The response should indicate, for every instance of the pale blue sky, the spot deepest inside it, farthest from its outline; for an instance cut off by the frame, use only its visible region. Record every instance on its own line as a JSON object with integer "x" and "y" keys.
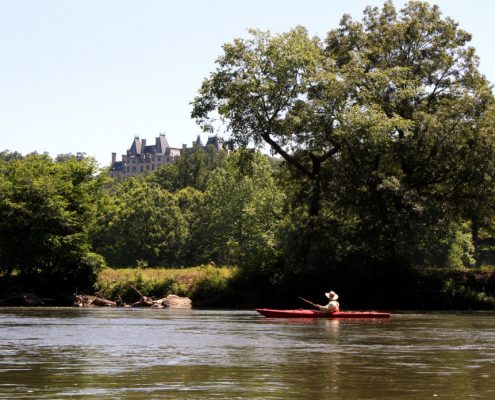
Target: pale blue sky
{"x": 89, "y": 75}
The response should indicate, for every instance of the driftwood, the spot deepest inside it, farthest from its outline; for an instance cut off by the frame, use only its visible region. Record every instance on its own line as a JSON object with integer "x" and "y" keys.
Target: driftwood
{"x": 97, "y": 300}
{"x": 83, "y": 300}
{"x": 144, "y": 301}
{"x": 171, "y": 301}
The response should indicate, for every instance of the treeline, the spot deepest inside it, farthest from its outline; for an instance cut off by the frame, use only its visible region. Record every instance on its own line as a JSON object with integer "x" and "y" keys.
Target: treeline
{"x": 206, "y": 207}
{"x": 61, "y": 221}
{"x": 60, "y": 224}
{"x": 383, "y": 136}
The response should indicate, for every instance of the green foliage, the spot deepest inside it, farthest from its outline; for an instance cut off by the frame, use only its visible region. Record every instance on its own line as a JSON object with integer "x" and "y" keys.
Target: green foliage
{"x": 167, "y": 176}
{"x": 200, "y": 283}
{"x": 192, "y": 169}
{"x": 7, "y": 155}
{"x": 141, "y": 221}
{"x": 242, "y": 208}
{"x": 417, "y": 164}
{"x": 387, "y": 125}
{"x": 259, "y": 89}
{"x": 211, "y": 284}
{"x": 191, "y": 204}
{"x": 148, "y": 287}
{"x": 46, "y": 209}
{"x": 458, "y": 295}
{"x": 461, "y": 250}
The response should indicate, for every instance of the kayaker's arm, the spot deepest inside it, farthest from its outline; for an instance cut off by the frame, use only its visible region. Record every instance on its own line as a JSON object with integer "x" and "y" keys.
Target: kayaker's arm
{"x": 332, "y": 307}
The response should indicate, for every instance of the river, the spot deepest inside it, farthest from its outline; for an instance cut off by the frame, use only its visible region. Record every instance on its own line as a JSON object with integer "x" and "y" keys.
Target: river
{"x": 72, "y": 353}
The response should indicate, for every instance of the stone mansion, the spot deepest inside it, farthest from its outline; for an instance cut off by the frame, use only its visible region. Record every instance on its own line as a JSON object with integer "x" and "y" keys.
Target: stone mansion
{"x": 142, "y": 158}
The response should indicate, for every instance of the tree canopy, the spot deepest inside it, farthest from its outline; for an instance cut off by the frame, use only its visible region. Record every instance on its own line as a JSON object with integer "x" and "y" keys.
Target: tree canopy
{"x": 140, "y": 222}
{"x": 387, "y": 118}
{"x": 46, "y": 209}
{"x": 242, "y": 210}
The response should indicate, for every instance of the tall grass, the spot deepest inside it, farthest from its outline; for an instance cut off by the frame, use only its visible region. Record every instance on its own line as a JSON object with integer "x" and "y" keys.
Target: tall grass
{"x": 202, "y": 284}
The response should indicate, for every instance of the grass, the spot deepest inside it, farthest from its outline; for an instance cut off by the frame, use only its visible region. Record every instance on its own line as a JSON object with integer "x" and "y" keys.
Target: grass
{"x": 202, "y": 284}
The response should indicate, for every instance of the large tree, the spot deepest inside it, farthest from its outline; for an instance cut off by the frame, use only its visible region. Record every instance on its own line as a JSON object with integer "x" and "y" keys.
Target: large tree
{"x": 388, "y": 118}
{"x": 46, "y": 210}
{"x": 258, "y": 88}
{"x": 420, "y": 136}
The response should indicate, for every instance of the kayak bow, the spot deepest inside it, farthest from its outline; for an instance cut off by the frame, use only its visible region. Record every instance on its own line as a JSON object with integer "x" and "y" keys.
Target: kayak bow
{"x": 302, "y": 313}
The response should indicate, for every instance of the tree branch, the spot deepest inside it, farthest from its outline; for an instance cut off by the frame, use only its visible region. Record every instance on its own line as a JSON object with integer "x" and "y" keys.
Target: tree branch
{"x": 287, "y": 157}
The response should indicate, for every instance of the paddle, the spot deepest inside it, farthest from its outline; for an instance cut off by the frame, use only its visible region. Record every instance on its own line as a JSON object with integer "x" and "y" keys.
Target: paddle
{"x": 310, "y": 302}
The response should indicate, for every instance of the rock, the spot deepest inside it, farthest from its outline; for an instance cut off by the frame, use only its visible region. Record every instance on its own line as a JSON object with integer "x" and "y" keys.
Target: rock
{"x": 173, "y": 301}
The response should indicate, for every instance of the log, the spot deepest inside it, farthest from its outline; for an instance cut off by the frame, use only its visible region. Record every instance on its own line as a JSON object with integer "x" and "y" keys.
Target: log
{"x": 144, "y": 301}
{"x": 102, "y": 302}
{"x": 84, "y": 300}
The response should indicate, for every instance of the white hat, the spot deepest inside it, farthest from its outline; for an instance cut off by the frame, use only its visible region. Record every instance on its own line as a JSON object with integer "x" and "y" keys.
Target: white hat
{"x": 332, "y": 295}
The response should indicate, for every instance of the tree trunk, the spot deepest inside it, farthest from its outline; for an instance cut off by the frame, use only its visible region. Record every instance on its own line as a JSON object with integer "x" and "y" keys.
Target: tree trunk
{"x": 475, "y": 233}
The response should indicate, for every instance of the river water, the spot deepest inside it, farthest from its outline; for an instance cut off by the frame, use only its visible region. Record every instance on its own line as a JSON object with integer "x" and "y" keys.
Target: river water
{"x": 71, "y": 353}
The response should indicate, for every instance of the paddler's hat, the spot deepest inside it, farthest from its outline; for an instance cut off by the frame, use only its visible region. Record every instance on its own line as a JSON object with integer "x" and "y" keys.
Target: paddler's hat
{"x": 332, "y": 295}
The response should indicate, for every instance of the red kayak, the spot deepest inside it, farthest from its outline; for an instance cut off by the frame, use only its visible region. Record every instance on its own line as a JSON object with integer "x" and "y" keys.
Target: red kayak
{"x": 302, "y": 313}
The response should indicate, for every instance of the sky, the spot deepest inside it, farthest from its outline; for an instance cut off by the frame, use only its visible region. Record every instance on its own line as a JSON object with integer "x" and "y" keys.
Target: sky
{"x": 90, "y": 75}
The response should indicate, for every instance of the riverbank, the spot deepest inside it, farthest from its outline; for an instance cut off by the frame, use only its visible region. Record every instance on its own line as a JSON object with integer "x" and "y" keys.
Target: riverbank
{"x": 205, "y": 285}
{"x": 209, "y": 286}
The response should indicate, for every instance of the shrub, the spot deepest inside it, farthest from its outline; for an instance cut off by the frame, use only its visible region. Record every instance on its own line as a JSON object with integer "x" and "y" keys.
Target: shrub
{"x": 199, "y": 283}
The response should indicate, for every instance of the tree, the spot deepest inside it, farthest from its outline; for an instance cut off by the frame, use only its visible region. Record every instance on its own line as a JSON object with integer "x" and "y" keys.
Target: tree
{"x": 7, "y": 155}
{"x": 140, "y": 222}
{"x": 191, "y": 204}
{"x": 389, "y": 120}
{"x": 258, "y": 89}
{"x": 192, "y": 169}
{"x": 421, "y": 128}
{"x": 243, "y": 207}
{"x": 45, "y": 214}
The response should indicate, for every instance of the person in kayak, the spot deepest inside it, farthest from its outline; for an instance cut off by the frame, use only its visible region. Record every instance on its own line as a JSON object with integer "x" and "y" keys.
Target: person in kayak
{"x": 333, "y": 305}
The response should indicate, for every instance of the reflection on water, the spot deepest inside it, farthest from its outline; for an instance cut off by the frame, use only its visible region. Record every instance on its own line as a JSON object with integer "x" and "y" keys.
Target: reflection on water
{"x": 197, "y": 354}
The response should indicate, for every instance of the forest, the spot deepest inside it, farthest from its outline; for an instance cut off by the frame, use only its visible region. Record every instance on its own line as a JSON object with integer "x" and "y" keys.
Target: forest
{"x": 362, "y": 162}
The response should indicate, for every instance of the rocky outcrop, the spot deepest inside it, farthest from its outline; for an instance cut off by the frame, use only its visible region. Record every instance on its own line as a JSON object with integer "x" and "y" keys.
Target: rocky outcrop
{"x": 173, "y": 301}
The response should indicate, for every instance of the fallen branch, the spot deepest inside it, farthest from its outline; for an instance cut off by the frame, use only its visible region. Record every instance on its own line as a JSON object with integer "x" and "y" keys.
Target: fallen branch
{"x": 144, "y": 301}
{"x": 83, "y": 300}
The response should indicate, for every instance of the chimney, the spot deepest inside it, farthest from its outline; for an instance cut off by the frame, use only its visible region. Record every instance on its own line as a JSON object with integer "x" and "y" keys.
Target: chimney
{"x": 114, "y": 158}
{"x": 143, "y": 141}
